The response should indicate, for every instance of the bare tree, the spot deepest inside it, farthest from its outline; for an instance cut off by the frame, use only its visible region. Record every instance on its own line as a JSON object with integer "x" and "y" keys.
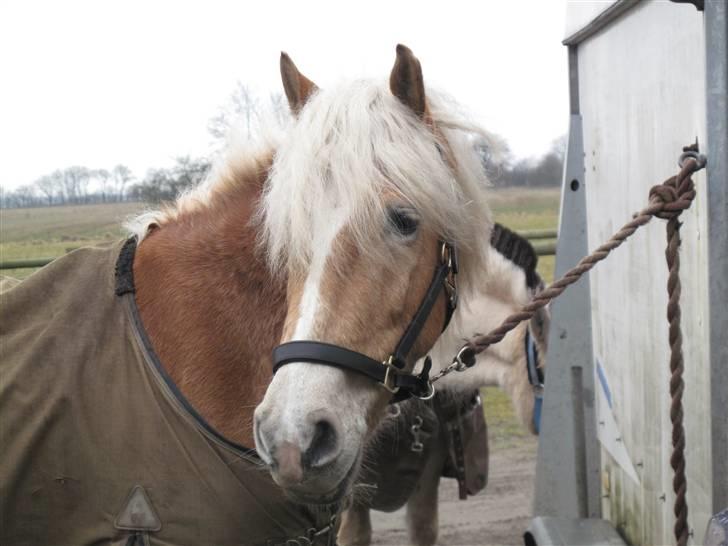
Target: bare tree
{"x": 25, "y": 195}
{"x": 279, "y": 109}
{"x": 166, "y": 184}
{"x": 58, "y": 180}
{"x": 241, "y": 108}
{"x": 122, "y": 175}
{"x": 545, "y": 170}
{"x": 495, "y": 155}
{"x": 83, "y": 179}
{"x": 188, "y": 172}
{"x": 103, "y": 177}
{"x": 47, "y": 186}
{"x": 75, "y": 183}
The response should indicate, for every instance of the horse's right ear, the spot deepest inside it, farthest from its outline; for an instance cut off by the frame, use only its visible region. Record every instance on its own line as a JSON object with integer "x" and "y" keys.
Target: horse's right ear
{"x": 298, "y": 87}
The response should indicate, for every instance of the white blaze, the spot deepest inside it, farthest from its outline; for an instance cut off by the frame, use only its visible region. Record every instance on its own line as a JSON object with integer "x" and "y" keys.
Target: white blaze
{"x": 325, "y": 231}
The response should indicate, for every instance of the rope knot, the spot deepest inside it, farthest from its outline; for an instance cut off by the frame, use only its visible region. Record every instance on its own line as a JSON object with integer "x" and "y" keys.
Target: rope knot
{"x": 675, "y": 195}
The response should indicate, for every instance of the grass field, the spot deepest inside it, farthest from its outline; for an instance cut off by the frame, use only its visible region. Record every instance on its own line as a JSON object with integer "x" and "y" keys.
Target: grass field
{"x": 52, "y": 231}
{"x": 48, "y": 232}
{"x": 524, "y": 209}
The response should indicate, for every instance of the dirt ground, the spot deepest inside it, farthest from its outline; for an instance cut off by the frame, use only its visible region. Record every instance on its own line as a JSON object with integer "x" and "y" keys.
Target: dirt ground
{"x": 498, "y": 515}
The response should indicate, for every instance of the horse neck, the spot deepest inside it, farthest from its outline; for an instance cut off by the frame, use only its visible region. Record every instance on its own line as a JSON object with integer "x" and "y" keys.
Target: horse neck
{"x": 501, "y": 365}
{"x": 501, "y": 294}
{"x": 212, "y": 310}
{"x": 482, "y": 313}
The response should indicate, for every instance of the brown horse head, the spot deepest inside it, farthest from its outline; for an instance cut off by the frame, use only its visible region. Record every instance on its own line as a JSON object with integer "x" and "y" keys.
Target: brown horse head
{"x": 363, "y": 190}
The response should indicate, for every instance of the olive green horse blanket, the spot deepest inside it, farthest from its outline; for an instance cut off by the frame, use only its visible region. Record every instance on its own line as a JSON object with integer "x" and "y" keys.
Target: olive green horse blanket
{"x": 98, "y": 446}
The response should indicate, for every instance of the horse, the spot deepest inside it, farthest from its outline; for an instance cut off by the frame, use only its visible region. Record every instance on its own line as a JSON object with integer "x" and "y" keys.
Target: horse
{"x": 408, "y": 452}
{"x": 136, "y": 378}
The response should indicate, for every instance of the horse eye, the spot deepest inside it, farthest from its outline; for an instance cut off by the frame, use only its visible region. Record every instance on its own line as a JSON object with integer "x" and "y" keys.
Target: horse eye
{"x": 403, "y": 221}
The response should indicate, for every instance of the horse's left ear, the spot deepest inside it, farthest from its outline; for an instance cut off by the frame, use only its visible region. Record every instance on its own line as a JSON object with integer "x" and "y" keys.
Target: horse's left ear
{"x": 406, "y": 81}
{"x": 298, "y": 87}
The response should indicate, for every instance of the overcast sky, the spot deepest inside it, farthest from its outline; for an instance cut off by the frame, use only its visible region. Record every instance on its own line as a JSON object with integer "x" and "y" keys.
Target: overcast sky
{"x": 98, "y": 83}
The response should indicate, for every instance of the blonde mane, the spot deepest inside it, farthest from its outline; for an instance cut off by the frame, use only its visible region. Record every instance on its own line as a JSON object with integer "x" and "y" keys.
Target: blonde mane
{"x": 350, "y": 146}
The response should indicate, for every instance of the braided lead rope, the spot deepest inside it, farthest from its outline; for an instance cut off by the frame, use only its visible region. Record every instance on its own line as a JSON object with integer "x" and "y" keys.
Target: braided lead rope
{"x": 666, "y": 201}
{"x": 677, "y": 386}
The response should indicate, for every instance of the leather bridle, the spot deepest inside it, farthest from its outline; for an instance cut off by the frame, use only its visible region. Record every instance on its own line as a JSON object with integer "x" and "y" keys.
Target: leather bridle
{"x": 390, "y": 373}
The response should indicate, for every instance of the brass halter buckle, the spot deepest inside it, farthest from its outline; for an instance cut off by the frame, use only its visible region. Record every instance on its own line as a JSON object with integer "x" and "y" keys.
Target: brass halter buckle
{"x": 392, "y": 370}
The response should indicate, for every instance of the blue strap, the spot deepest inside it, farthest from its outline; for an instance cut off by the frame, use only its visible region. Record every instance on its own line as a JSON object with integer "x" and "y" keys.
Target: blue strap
{"x": 535, "y": 378}
{"x": 537, "y": 404}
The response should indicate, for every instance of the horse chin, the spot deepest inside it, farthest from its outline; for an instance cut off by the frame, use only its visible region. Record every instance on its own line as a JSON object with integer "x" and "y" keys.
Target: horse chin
{"x": 304, "y": 495}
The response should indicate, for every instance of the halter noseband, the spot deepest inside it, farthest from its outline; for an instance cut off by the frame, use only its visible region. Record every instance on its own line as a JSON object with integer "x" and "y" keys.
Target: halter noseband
{"x": 390, "y": 373}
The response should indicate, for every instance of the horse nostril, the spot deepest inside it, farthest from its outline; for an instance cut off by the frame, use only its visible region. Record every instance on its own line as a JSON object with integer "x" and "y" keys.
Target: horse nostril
{"x": 260, "y": 441}
{"x": 324, "y": 446}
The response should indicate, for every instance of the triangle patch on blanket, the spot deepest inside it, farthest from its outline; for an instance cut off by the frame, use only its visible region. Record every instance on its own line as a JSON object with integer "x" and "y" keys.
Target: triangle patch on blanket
{"x": 138, "y": 513}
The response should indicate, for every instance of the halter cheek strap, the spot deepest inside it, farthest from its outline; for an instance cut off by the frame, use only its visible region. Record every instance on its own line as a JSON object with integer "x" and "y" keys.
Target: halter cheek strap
{"x": 390, "y": 373}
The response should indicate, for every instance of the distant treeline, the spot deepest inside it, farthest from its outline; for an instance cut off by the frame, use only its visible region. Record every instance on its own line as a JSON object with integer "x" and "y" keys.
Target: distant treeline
{"x": 80, "y": 185}
{"x": 506, "y": 171}
{"x": 244, "y": 113}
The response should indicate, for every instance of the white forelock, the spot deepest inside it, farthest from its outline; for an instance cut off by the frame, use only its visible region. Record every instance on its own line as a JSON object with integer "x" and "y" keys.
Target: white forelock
{"x": 350, "y": 146}
{"x": 356, "y": 143}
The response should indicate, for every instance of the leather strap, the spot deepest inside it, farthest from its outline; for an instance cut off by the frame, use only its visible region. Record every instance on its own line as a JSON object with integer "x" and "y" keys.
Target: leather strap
{"x": 414, "y": 329}
{"x": 325, "y": 353}
{"x": 340, "y": 357}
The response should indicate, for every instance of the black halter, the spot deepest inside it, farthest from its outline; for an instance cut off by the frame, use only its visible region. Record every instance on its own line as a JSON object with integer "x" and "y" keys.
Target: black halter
{"x": 390, "y": 373}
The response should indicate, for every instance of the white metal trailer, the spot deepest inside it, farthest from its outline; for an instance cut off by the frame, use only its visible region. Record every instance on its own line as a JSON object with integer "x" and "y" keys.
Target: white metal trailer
{"x": 646, "y": 78}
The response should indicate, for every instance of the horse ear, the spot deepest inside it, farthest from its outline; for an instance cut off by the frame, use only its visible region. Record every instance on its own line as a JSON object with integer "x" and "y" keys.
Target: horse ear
{"x": 406, "y": 81}
{"x": 298, "y": 87}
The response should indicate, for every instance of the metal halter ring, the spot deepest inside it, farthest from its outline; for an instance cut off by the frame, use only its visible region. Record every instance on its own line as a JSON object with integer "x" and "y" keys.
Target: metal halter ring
{"x": 462, "y": 365}
{"x": 388, "y": 382}
{"x": 700, "y": 159}
{"x": 446, "y": 255}
{"x": 430, "y": 394}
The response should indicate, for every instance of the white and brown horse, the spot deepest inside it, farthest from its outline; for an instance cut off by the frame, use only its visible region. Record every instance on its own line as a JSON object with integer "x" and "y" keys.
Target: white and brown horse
{"x": 332, "y": 236}
{"x": 334, "y": 245}
{"x": 401, "y": 475}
